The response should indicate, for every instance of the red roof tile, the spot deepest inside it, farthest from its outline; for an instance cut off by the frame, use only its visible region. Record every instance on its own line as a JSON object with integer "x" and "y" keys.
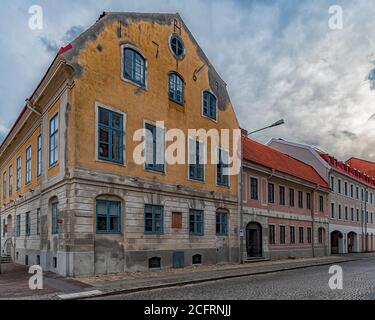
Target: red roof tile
{"x": 268, "y": 157}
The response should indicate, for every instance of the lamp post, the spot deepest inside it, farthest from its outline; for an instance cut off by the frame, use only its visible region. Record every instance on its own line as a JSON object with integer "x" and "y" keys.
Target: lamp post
{"x": 242, "y": 229}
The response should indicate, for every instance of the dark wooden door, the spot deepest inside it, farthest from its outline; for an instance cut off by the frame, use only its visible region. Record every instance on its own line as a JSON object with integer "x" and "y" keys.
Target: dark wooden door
{"x": 254, "y": 240}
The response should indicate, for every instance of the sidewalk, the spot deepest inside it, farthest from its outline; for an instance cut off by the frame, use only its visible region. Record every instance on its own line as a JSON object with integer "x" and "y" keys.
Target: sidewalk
{"x": 141, "y": 281}
{"x": 14, "y": 284}
{"x": 14, "y": 279}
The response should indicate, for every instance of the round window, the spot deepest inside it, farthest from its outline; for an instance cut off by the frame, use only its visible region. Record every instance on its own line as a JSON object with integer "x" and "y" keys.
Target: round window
{"x": 177, "y": 46}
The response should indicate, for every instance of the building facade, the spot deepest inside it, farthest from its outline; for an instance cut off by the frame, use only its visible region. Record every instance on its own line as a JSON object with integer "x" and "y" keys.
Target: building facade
{"x": 351, "y": 202}
{"x": 285, "y": 206}
{"x": 74, "y": 198}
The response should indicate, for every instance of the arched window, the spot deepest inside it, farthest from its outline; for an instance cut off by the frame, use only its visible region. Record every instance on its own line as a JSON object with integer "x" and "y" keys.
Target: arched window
{"x": 209, "y": 105}
{"x": 134, "y": 67}
{"x": 176, "y": 88}
{"x": 154, "y": 263}
{"x": 177, "y": 46}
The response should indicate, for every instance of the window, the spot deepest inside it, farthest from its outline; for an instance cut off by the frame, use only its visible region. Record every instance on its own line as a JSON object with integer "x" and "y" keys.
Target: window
{"x": 177, "y": 46}
{"x": 321, "y": 204}
{"x": 300, "y": 199}
{"x": 346, "y": 213}
{"x": 39, "y": 156}
{"x": 55, "y": 262}
{"x": 18, "y": 225}
{"x": 357, "y": 192}
{"x": 309, "y": 235}
{"x": 176, "y": 220}
{"x": 366, "y": 216}
{"x": 332, "y": 210}
{"x": 339, "y": 186}
{"x": 55, "y": 215}
{"x": 253, "y": 188}
{"x": 282, "y": 196}
{"x": 27, "y": 224}
{"x": 196, "y": 160}
{"x": 300, "y": 235}
{"x": 333, "y": 183}
{"x": 321, "y": 235}
{"x": 197, "y": 259}
{"x": 10, "y": 180}
{"x": 176, "y": 88}
{"x": 222, "y": 167}
{"x": 38, "y": 221}
{"x": 4, "y": 228}
{"x": 53, "y": 140}
{"x": 352, "y": 191}
{"x": 108, "y": 216}
{"x": 4, "y": 185}
{"x": 134, "y": 67}
{"x": 282, "y": 234}
{"x": 111, "y": 134}
{"x": 372, "y": 217}
{"x": 292, "y": 234}
{"x": 340, "y": 216}
{"x": 308, "y": 200}
{"x": 28, "y": 165}
{"x": 357, "y": 214}
{"x": 154, "y": 263}
{"x": 221, "y": 223}
{"x": 154, "y": 219}
{"x": 291, "y": 197}
{"x": 272, "y": 234}
{"x": 352, "y": 214}
{"x": 346, "y": 188}
{"x": 155, "y": 148}
{"x": 196, "y": 222}
{"x": 271, "y": 193}
{"x": 209, "y": 105}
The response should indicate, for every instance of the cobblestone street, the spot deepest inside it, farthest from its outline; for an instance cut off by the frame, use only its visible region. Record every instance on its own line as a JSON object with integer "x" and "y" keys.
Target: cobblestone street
{"x": 310, "y": 283}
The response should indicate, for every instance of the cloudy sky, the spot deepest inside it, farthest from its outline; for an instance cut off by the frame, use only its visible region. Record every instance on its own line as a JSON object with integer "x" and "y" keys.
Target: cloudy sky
{"x": 279, "y": 58}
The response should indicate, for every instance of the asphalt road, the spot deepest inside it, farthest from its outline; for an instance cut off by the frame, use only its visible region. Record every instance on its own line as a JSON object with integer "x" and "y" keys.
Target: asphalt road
{"x": 309, "y": 283}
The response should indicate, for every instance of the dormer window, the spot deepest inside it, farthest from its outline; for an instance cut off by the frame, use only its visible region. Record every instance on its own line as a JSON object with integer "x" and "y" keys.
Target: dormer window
{"x": 134, "y": 65}
{"x": 176, "y": 88}
{"x": 209, "y": 105}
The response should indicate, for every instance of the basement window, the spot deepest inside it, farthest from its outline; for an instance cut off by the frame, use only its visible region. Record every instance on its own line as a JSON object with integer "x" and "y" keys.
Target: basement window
{"x": 154, "y": 263}
{"x": 197, "y": 259}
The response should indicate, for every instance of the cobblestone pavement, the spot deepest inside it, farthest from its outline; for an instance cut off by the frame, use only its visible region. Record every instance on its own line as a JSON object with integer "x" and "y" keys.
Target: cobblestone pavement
{"x": 310, "y": 283}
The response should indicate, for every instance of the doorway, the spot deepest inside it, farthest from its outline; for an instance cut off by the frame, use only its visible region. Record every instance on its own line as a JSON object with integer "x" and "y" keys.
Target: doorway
{"x": 254, "y": 240}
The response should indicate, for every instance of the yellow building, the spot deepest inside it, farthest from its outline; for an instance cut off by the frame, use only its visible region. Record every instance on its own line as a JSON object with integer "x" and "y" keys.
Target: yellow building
{"x": 75, "y": 198}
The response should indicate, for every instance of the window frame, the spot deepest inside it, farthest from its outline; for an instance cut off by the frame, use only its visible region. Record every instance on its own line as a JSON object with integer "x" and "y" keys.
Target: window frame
{"x": 272, "y": 234}
{"x": 271, "y": 195}
{"x": 111, "y": 111}
{"x": 108, "y": 216}
{"x": 132, "y": 80}
{"x": 282, "y": 234}
{"x": 291, "y": 198}
{"x": 197, "y": 158}
{"x": 177, "y": 79}
{"x": 10, "y": 187}
{"x": 222, "y": 224}
{"x": 195, "y": 213}
{"x": 27, "y": 224}
{"x": 282, "y": 200}
{"x": 54, "y": 218}
{"x": 224, "y": 180}
{"x": 208, "y": 116}
{"x": 28, "y": 165}
{"x": 153, "y": 219}
{"x": 176, "y": 36}
{"x": 39, "y": 156}
{"x": 5, "y": 179}
{"x": 19, "y": 173}
{"x": 301, "y": 240}
{"x": 53, "y": 160}
{"x": 292, "y": 235}
{"x": 300, "y": 199}
{"x": 18, "y": 225}
{"x": 255, "y": 196}
{"x": 154, "y": 167}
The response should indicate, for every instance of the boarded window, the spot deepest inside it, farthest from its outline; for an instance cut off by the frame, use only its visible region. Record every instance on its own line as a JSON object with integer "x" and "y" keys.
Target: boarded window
{"x": 176, "y": 220}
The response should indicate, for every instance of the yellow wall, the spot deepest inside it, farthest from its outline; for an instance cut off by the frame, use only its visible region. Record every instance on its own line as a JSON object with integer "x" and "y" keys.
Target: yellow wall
{"x": 21, "y": 151}
{"x": 101, "y": 82}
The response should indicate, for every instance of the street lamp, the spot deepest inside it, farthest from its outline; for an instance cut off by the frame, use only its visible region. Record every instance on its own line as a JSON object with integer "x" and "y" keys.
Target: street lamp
{"x": 242, "y": 231}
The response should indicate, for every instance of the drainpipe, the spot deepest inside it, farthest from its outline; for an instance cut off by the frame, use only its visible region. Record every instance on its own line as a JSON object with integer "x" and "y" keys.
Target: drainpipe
{"x": 313, "y": 221}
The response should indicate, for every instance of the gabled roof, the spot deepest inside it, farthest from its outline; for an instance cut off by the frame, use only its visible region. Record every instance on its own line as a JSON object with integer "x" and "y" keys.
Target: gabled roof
{"x": 268, "y": 157}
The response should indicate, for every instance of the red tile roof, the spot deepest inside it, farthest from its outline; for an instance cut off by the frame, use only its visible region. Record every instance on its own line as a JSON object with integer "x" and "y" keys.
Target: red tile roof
{"x": 355, "y": 168}
{"x": 268, "y": 157}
